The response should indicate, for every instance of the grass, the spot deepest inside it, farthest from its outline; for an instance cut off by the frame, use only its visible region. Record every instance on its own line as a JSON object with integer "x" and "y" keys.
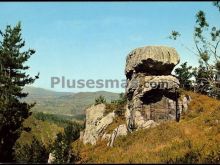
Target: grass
{"x": 42, "y": 130}
{"x": 117, "y": 121}
{"x": 195, "y": 139}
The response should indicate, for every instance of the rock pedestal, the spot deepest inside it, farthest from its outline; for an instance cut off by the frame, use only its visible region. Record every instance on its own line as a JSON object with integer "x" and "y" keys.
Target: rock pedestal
{"x": 151, "y": 89}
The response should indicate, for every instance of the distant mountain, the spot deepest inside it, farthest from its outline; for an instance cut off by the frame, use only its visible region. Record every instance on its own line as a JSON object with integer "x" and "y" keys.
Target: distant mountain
{"x": 65, "y": 103}
{"x": 40, "y": 93}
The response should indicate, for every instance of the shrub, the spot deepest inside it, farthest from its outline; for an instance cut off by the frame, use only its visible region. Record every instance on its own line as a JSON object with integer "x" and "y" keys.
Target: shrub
{"x": 101, "y": 99}
{"x": 36, "y": 152}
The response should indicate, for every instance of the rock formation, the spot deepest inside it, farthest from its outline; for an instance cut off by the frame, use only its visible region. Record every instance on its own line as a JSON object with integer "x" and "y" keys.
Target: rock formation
{"x": 151, "y": 92}
{"x": 151, "y": 89}
{"x": 96, "y": 123}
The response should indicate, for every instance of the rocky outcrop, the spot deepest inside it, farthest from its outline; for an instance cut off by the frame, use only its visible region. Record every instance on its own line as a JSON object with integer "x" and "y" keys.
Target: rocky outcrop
{"x": 96, "y": 123}
{"x": 151, "y": 89}
{"x": 152, "y": 96}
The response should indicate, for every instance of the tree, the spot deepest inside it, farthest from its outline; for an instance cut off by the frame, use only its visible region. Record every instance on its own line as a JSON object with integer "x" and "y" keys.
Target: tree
{"x": 72, "y": 132}
{"x": 184, "y": 73}
{"x": 12, "y": 80}
{"x": 62, "y": 146}
{"x": 174, "y": 35}
{"x": 217, "y": 4}
{"x": 101, "y": 99}
{"x": 36, "y": 152}
{"x": 207, "y": 40}
{"x": 59, "y": 148}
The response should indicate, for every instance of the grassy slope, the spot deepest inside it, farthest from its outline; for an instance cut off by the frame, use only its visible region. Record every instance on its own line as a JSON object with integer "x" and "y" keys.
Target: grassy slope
{"x": 196, "y": 138}
{"x": 43, "y": 130}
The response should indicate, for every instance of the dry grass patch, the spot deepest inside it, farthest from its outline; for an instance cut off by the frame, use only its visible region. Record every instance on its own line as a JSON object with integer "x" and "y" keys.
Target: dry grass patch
{"x": 195, "y": 139}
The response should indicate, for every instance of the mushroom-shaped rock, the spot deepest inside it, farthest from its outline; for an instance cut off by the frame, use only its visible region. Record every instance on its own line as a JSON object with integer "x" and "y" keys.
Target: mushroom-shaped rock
{"x": 152, "y": 60}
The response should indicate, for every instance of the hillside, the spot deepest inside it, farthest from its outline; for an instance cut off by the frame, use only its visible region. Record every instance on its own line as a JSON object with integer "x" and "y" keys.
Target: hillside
{"x": 41, "y": 92}
{"x": 42, "y": 130}
{"x": 195, "y": 139}
{"x": 64, "y": 103}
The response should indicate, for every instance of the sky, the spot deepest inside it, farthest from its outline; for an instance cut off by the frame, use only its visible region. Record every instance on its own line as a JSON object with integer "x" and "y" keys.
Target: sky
{"x": 90, "y": 40}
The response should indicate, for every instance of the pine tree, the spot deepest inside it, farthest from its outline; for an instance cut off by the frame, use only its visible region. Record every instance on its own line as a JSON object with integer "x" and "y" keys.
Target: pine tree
{"x": 59, "y": 149}
{"x": 39, "y": 151}
{"x": 184, "y": 73}
{"x": 13, "y": 78}
{"x": 62, "y": 146}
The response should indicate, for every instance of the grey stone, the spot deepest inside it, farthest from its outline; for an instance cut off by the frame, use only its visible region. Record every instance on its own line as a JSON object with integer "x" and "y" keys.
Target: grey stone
{"x": 153, "y": 60}
{"x": 121, "y": 130}
{"x": 151, "y": 89}
{"x": 96, "y": 123}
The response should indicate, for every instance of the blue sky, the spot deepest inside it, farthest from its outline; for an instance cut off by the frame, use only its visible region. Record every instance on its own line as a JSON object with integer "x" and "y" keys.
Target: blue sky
{"x": 90, "y": 40}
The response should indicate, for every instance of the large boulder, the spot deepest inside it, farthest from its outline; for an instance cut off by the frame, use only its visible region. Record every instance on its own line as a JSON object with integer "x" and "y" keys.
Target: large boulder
{"x": 152, "y": 60}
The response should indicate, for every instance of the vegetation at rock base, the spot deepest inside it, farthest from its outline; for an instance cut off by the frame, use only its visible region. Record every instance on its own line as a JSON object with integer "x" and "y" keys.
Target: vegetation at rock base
{"x": 29, "y": 131}
{"x": 118, "y": 105}
{"x": 119, "y": 108}
{"x": 101, "y": 99}
{"x": 195, "y": 139}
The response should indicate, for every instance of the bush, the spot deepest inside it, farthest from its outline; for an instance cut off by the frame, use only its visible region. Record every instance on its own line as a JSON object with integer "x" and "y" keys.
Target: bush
{"x": 36, "y": 152}
{"x": 101, "y": 99}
